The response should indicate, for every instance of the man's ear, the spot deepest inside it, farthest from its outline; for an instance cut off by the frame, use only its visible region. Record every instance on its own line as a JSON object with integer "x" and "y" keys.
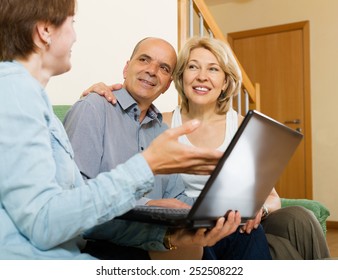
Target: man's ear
{"x": 125, "y": 70}
{"x": 168, "y": 85}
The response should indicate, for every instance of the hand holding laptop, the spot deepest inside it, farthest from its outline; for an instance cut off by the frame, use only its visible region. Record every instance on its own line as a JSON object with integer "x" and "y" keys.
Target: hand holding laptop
{"x": 208, "y": 237}
{"x": 190, "y": 244}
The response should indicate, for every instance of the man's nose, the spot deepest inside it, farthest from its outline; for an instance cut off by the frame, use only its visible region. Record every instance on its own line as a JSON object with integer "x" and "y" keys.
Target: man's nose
{"x": 152, "y": 68}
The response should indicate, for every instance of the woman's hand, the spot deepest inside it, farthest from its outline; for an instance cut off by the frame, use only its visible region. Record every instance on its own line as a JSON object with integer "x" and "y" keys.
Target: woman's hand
{"x": 103, "y": 90}
{"x": 203, "y": 237}
{"x": 252, "y": 224}
{"x": 190, "y": 243}
{"x": 165, "y": 155}
{"x": 272, "y": 203}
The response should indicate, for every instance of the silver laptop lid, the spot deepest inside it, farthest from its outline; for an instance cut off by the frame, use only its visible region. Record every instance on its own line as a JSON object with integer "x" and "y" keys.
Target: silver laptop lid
{"x": 248, "y": 170}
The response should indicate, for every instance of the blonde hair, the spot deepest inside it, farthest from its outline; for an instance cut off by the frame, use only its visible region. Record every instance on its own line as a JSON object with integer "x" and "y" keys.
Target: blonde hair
{"x": 227, "y": 62}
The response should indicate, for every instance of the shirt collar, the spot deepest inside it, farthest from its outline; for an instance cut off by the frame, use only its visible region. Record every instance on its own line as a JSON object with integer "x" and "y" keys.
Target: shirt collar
{"x": 128, "y": 103}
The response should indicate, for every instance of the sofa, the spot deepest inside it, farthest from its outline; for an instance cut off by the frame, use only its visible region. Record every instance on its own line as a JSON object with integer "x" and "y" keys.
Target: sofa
{"x": 319, "y": 210}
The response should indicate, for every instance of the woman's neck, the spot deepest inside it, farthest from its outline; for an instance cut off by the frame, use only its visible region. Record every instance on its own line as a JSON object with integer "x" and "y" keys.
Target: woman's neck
{"x": 35, "y": 67}
{"x": 211, "y": 132}
{"x": 202, "y": 113}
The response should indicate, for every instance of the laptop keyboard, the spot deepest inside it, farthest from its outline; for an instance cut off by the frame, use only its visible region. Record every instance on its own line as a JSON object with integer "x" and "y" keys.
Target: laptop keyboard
{"x": 148, "y": 213}
{"x": 162, "y": 212}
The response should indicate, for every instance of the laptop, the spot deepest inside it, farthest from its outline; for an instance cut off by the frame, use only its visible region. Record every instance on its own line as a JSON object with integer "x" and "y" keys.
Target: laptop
{"x": 241, "y": 181}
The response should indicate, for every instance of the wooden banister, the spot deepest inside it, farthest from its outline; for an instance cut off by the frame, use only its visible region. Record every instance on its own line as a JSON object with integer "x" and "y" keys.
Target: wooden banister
{"x": 210, "y": 23}
{"x": 182, "y": 22}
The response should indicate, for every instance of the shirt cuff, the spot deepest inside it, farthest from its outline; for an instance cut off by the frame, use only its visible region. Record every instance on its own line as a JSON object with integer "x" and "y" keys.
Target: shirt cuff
{"x": 143, "y": 201}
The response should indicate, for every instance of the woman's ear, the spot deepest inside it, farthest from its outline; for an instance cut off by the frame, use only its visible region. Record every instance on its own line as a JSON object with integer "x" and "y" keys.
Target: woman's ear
{"x": 225, "y": 84}
{"x": 43, "y": 32}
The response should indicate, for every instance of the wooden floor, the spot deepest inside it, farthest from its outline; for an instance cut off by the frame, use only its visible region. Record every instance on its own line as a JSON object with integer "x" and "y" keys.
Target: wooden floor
{"x": 332, "y": 241}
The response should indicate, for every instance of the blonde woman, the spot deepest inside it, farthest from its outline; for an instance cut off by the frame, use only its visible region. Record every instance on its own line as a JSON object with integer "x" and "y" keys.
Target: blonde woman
{"x": 207, "y": 77}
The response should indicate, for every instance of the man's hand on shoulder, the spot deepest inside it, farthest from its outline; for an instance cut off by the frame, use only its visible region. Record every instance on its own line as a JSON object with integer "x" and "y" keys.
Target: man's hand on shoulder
{"x": 103, "y": 90}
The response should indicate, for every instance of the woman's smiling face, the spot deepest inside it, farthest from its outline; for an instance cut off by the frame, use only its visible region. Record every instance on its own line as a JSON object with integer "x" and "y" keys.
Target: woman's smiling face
{"x": 203, "y": 77}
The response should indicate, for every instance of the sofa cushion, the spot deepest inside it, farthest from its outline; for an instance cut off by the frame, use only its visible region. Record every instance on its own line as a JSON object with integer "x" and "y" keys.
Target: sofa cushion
{"x": 60, "y": 111}
{"x": 320, "y": 211}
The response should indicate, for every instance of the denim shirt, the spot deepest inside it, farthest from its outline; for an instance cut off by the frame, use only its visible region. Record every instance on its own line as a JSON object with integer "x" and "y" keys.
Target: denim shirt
{"x": 45, "y": 205}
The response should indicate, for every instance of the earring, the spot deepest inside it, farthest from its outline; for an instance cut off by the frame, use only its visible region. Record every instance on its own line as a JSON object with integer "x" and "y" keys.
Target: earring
{"x": 48, "y": 41}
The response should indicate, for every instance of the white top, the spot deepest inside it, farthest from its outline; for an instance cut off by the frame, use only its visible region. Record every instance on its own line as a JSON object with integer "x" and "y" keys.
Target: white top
{"x": 195, "y": 183}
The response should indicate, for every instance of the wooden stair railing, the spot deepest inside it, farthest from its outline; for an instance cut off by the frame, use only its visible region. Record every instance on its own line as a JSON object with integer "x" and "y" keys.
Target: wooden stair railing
{"x": 190, "y": 9}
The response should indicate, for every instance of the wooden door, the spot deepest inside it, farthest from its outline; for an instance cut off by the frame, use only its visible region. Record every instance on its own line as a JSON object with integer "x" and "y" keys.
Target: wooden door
{"x": 278, "y": 59}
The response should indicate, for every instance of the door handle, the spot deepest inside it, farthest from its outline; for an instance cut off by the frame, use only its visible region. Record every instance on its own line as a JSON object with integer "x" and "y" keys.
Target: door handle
{"x": 295, "y": 121}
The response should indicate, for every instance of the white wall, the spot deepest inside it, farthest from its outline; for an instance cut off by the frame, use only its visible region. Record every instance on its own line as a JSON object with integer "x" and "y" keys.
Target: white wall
{"x": 238, "y": 15}
{"x": 107, "y": 31}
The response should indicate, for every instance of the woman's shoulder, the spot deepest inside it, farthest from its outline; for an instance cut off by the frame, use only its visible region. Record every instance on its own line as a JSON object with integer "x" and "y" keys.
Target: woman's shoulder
{"x": 168, "y": 116}
{"x": 235, "y": 116}
{"x": 240, "y": 119}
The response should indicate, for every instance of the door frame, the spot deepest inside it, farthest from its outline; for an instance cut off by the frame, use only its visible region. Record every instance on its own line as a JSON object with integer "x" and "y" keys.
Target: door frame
{"x": 303, "y": 26}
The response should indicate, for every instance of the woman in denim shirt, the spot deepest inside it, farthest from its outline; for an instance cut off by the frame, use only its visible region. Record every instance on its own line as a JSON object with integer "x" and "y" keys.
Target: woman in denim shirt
{"x": 45, "y": 204}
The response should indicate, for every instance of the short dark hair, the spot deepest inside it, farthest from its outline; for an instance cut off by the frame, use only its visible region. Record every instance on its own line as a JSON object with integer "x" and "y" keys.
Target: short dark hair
{"x": 18, "y": 19}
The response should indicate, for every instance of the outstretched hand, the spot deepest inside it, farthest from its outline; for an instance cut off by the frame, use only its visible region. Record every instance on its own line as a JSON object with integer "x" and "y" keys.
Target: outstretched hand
{"x": 166, "y": 155}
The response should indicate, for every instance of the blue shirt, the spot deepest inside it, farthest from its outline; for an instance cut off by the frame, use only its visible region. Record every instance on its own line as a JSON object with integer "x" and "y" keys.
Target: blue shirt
{"x": 104, "y": 135}
{"x": 45, "y": 205}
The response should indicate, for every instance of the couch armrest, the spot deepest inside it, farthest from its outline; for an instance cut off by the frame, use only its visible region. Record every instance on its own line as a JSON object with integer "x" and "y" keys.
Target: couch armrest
{"x": 320, "y": 211}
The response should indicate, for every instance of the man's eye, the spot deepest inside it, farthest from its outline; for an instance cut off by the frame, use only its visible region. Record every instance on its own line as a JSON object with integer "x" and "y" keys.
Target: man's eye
{"x": 165, "y": 69}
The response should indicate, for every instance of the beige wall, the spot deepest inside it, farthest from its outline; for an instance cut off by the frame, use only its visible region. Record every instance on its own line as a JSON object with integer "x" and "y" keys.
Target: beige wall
{"x": 238, "y": 15}
{"x": 107, "y": 31}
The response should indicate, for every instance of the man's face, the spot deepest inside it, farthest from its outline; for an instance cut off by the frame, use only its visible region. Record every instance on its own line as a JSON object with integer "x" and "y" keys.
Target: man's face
{"x": 149, "y": 71}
